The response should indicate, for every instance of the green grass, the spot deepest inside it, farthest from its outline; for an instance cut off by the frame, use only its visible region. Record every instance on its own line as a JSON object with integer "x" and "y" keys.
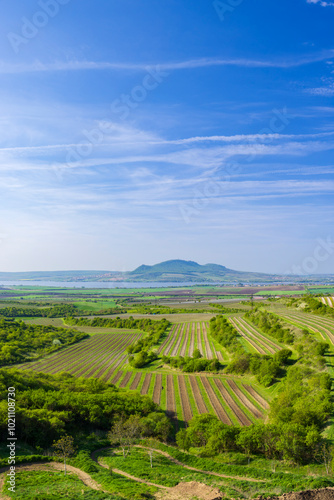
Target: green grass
{"x": 178, "y": 405}
{"x": 151, "y": 387}
{"x": 51, "y": 484}
{"x": 202, "y": 347}
{"x": 189, "y": 339}
{"x": 190, "y": 396}
{"x": 21, "y": 449}
{"x": 92, "y": 305}
{"x": 163, "y": 395}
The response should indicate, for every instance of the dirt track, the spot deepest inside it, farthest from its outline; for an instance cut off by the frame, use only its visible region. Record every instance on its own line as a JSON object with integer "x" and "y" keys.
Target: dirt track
{"x": 83, "y": 476}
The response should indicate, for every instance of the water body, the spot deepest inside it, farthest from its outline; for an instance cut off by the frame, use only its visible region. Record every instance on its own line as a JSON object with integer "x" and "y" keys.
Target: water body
{"x": 98, "y": 284}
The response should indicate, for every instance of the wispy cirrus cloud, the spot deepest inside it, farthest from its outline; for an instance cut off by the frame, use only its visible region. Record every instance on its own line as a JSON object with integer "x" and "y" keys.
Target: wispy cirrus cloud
{"x": 125, "y": 137}
{"x": 38, "y": 66}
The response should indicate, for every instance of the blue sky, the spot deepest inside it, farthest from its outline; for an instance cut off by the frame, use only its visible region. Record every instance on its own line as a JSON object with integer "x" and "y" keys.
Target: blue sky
{"x": 136, "y": 132}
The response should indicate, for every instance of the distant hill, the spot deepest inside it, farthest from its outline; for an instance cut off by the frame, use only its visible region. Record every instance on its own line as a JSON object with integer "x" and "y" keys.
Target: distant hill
{"x": 188, "y": 270}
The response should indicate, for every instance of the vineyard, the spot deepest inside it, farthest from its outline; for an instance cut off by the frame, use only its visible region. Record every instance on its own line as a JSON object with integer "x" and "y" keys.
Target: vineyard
{"x": 234, "y": 400}
{"x": 99, "y": 356}
{"x": 253, "y": 339}
{"x": 184, "y": 338}
{"x": 181, "y": 396}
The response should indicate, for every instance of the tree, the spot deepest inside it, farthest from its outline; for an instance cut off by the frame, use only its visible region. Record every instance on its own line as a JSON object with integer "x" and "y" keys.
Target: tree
{"x": 64, "y": 448}
{"x": 197, "y": 354}
{"x": 324, "y": 454}
{"x": 250, "y": 439}
{"x": 125, "y": 432}
{"x": 201, "y": 428}
{"x": 183, "y": 440}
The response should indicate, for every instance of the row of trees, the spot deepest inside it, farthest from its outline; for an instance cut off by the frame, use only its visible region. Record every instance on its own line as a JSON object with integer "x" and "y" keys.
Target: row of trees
{"x": 225, "y": 334}
{"x": 196, "y": 363}
{"x": 57, "y": 311}
{"x": 266, "y": 368}
{"x": 280, "y": 440}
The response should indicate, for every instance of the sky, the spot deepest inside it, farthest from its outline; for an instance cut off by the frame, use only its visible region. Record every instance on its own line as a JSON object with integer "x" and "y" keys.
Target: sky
{"x": 137, "y": 132}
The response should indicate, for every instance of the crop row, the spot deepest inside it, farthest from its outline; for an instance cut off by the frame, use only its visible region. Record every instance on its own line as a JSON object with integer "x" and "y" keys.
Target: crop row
{"x": 184, "y": 338}
{"x": 184, "y": 396}
{"x": 98, "y": 356}
{"x": 257, "y": 340}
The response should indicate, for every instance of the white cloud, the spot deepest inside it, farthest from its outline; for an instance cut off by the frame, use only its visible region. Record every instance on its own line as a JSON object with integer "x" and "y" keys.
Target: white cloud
{"x": 322, "y": 91}
{"x": 322, "y": 3}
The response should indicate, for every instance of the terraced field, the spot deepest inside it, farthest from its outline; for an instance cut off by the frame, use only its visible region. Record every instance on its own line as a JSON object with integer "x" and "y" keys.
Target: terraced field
{"x": 255, "y": 340}
{"x": 99, "y": 356}
{"x": 184, "y": 396}
{"x": 323, "y": 328}
{"x": 184, "y": 338}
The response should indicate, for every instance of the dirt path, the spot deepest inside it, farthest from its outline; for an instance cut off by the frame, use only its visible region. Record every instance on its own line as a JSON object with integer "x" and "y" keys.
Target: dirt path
{"x": 122, "y": 473}
{"x": 83, "y": 476}
{"x": 177, "y": 462}
{"x": 95, "y": 457}
{"x": 172, "y": 459}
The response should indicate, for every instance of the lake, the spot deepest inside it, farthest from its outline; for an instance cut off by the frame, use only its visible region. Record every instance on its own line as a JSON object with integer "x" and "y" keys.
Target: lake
{"x": 98, "y": 284}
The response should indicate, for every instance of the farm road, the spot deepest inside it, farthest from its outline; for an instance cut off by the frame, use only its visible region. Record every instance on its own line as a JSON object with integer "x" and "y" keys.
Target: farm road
{"x": 83, "y": 476}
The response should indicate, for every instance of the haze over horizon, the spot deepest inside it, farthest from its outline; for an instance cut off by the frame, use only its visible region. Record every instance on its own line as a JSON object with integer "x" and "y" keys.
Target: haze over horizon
{"x": 134, "y": 133}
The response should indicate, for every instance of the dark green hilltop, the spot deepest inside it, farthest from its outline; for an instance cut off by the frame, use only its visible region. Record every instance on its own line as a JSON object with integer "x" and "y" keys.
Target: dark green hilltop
{"x": 188, "y": 270}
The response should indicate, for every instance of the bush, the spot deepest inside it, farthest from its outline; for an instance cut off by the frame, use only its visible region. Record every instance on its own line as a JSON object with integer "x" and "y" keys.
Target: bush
{"x": 84, "y": 462}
